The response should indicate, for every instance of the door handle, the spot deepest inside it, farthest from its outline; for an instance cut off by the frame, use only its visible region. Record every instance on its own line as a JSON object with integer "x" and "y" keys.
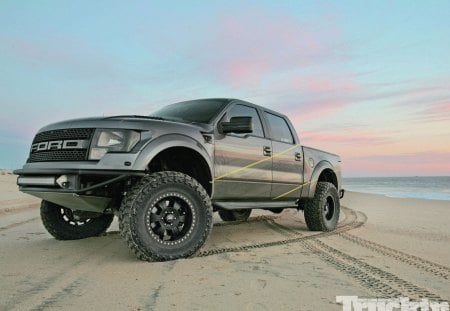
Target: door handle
{"x": 267, "y": 151}
{"x": 298, "y": 156}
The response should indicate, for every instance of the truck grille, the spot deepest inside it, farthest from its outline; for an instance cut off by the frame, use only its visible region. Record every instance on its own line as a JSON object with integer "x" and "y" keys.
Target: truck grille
{"x": 61, "y": 145}
{"x": 84, "y": 133}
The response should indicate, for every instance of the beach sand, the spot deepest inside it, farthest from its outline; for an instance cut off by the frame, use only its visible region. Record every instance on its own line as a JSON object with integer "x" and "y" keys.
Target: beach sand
{"x": 383, "y": 247}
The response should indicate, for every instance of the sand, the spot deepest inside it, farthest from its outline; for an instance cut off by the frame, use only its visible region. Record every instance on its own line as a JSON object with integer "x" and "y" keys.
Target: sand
{"x": 384, "y": 247}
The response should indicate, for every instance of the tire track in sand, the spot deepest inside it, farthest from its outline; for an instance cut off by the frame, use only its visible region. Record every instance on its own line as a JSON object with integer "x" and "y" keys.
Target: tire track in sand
{"x": 64, "y": 281}
{"x": 353, "y": 220}
{"x": 414, "y": 261}
{"x": 20, "y": 223}
{"x": 383, "y": 283}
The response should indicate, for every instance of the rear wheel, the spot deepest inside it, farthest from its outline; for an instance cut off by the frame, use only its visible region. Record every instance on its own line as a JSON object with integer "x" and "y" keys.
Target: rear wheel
{"x": 65, "y": 224}
{"x": 322, "y": 212}
{"x": 241, "y": 214}
{"x": 167, "y": 215}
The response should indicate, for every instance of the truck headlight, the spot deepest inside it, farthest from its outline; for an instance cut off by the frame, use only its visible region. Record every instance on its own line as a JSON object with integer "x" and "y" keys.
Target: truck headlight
{"x": 111, "y": 140}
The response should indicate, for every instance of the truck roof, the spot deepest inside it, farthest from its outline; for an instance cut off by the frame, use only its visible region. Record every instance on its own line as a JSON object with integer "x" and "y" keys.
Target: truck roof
{"x": 232, "y": 100}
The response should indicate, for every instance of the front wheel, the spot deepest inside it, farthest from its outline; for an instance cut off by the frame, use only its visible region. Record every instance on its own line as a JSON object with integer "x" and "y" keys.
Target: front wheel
{"x": 167, "y": 215}
{"x": 65, "y": 224}
{"x": 322, "y": 212}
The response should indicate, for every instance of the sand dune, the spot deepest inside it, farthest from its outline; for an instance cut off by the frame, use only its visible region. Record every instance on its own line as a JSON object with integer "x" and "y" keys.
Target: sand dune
{"x": 383, "y": 247}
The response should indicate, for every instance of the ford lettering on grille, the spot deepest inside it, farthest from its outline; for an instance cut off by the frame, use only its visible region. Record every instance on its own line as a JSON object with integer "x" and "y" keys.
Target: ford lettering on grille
{"x": 60, "y": 144}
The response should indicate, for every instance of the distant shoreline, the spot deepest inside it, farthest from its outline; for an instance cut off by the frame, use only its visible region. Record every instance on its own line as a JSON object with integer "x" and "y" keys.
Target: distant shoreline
{"x": 411, "y": 176}
{"x": 417, "y": 187}
{"x": 391, "y": 197}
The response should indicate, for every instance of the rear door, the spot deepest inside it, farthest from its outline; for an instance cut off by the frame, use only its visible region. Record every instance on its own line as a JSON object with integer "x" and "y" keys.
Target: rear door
{"x": 242, "y": 162}
{"x": 287, "y": 161}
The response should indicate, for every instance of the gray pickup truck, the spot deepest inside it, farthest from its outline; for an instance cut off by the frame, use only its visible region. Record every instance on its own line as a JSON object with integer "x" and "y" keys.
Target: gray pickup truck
{"x": 165, "y": 174}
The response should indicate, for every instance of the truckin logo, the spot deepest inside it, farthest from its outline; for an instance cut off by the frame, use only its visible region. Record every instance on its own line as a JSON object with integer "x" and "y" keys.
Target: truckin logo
{"x": 350, "y": 303}
{"x": 58, "y": 145}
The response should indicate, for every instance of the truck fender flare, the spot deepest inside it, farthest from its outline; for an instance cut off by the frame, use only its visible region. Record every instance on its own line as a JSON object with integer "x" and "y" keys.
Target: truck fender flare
{"x": 164, "y": 142}
{"x": 320, "y": 167}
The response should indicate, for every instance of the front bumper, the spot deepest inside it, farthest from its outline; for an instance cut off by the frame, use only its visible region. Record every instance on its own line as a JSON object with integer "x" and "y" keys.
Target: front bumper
{"x": 72, "y": 194}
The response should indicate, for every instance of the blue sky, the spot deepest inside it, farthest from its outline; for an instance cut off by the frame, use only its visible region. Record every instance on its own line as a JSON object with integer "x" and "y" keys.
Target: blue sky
{"x": 366, "y": 79}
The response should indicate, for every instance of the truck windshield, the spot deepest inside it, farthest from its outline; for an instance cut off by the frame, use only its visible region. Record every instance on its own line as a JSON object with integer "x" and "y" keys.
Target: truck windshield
{"x": 199, "y": 111}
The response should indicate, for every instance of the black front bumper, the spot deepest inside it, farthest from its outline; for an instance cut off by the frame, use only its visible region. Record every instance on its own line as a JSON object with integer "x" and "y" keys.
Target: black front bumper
{"x": 30, "y": 179}
{"x": 43, "y": 184}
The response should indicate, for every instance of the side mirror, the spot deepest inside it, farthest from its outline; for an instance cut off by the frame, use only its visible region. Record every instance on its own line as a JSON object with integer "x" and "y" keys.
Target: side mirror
{"x": 240, "y": 125}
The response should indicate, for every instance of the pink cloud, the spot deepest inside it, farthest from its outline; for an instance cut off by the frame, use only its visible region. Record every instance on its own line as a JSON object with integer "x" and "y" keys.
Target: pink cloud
{"x": 318, "y": 109}
{"x": 439, "y": 111}
{"x": 445, "y": 107}
{"x": 428, "y": 102}
{"x": 421, "y": 163}
{"x": 239, "y": 70}
{"x": 248, "y": 47}
{"x": 320, "y": 95}
{"x": 292, "y": 64}
{"x": 360, "y": 147}
{"x": 402, "y": 95}
{"x": 352, "y": 136}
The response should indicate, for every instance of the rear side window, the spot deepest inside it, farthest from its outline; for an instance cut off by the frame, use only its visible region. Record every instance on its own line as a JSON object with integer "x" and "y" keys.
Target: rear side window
{"x": 246, "y": 111}
{"x": 279, "y": 128}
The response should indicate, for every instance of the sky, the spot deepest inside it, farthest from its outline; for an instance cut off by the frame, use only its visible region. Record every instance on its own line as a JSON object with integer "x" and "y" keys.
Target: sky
{"x": 368, "y": 80}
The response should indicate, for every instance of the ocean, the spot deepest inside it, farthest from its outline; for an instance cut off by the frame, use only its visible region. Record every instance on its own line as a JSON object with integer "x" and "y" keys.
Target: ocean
{"x": 435, "y": 188}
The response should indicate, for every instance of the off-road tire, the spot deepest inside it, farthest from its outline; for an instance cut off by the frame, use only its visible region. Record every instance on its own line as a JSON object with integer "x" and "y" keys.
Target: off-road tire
{"x": 322, "y": 212}
{"x": 60, "y": 223}
{"x": 241, "y": 214}
{"x": 165, "y": 216}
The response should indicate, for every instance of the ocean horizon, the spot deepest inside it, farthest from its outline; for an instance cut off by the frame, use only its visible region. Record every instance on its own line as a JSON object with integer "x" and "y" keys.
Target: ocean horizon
{"x": 416, "y": 187}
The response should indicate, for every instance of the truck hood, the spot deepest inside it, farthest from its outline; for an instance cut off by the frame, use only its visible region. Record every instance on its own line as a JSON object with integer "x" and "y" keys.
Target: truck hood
{"x": 128, "y": 122}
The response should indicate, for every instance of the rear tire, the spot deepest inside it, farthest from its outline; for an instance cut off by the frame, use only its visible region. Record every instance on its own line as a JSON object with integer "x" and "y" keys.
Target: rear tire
{"x": 241, "y": 214}
{"x": 322, "y": 212}
{"x": 64, "y": 225}
{"x": 165, "y": 216}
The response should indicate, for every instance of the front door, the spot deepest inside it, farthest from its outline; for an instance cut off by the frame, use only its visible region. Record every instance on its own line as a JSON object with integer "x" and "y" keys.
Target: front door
{"x": 243, "y": 163}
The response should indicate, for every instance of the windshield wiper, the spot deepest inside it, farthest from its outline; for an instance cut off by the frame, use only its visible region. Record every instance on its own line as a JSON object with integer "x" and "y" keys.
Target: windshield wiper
{"x": 175, "y": 119}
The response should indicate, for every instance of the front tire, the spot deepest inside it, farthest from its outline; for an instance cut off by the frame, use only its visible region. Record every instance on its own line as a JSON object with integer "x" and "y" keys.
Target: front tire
{"x": 166, "y": 216}
{"x": 240, "y": 215}
{"x": 63, "y": 224}
{"x": 322, "y": 212}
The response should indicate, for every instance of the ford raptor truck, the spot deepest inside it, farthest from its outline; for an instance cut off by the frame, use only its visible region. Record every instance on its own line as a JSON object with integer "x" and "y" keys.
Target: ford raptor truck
{"x": 165, "y": 174}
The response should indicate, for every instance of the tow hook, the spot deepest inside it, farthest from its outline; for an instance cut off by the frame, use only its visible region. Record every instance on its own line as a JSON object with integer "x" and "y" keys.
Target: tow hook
{"x": 341, "y": 193}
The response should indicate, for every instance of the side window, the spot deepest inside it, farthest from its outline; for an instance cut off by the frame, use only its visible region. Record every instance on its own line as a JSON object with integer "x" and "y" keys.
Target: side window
{"x": 280, "y": 129}
{"x": 245, "y": 111}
